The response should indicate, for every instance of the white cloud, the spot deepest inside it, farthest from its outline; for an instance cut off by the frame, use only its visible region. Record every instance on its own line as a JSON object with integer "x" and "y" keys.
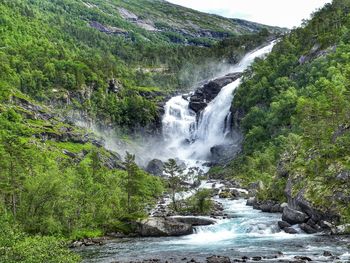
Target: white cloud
{"x": 284, "y": 13}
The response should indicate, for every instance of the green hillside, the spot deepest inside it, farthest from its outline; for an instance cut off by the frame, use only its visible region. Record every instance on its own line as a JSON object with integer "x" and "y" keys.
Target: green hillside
{"x": 57, "y": 182}
{"x": 294, "y": 110}
{"x": 67, "y": 52}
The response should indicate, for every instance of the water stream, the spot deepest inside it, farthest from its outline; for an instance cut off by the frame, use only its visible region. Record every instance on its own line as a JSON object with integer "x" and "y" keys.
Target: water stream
{"x": 246, "y": 232}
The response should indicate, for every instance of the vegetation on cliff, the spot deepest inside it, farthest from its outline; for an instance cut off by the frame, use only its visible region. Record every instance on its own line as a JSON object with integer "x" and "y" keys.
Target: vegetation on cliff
{"x": 293, "y": 108}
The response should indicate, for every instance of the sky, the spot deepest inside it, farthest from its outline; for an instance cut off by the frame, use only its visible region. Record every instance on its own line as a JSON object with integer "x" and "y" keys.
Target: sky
{"x": 283, "y": 13}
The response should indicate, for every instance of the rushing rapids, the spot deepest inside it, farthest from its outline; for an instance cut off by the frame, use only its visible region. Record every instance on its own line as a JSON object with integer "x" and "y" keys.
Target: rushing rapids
{"x": 246, "y": 233}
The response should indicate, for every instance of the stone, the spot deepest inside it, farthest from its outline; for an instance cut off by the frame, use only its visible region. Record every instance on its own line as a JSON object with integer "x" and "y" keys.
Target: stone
{"x": 224, "y": 152}
{"x": 251, "y": 201}
{"x": 160, "y": 226}
{"x": 293, "y": 216}
{"x": 266, "y": 207}
{"x": 155, "y": 167}
{"x": 194, "y": 221}
{"x": 304, "y": 258}
{"x": 218, "y": 259}
{"x": 283, "y": 224}
{"x": 327, "y": 254}
{"x": 276, "y": 208}
{"x": 307, "y": 228}
{"x": 290, "y": 230}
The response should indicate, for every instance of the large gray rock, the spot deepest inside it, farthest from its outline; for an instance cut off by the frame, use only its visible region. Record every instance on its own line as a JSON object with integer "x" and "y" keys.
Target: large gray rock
{"x": 160, "y": 226}
{"x": 307, "y": 228}
{"x": 222, "y": 153}
{"x": 293, "y": 216}
{"x": 283, "y": 224}
{"x": 300, "y": 203}
{"x": 290, "y": 230}
{"x": 194, "y": 221}
{"x": 203, "y": 95}
{"x": 155, "y": 167}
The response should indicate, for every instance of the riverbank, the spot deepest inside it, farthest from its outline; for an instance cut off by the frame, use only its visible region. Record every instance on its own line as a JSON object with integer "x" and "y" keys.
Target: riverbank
{"x": 248, "y": 235}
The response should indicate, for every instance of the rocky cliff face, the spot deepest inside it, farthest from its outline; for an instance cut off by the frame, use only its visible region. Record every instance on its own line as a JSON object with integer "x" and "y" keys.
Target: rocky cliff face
{"x": 205, "y": 94}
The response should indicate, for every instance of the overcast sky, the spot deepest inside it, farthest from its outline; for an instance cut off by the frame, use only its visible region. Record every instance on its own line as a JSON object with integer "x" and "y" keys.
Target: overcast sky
{"x": 284, "y": 13}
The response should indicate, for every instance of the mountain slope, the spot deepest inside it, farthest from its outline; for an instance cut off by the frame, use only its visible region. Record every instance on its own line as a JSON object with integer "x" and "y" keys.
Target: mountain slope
{"x": 85, "y": 56}
{"x": 294, "y": 110}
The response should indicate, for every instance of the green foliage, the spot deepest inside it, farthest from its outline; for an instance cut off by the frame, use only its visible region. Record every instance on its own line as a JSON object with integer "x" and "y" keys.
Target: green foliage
{"x": 200, "y": 203}
{"x": 49, "y": 51}
{"x": 175, "y": 177}
{"x": 15, "y": 246}
{"x": 296, "y": 105}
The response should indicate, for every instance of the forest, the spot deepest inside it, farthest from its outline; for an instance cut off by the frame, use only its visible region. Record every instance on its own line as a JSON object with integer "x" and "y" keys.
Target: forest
{"x": 296, "y": 115}
{"x": 52, "y": 63}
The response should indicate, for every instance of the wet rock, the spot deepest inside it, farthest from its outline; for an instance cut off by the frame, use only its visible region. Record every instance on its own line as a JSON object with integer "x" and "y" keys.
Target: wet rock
{"x": 304, "y": 258}
{"x": 194, "y": 221}
{"x": 218, "y": 259}
{"x": 251, "y": 201}
{"x": 155, "y": 167}
{"x": 266, "y": 207}
{"x": 256, "y": 258}
{"x": 293, "y": 216}
{"x": 307, "y": 228}
{"x": 203, "y": 95}
{"x": 159, "y": 226}
{"x": 290, "y": 230}
{"x": 283, "y": 224}
{"x": 327, "y": 254}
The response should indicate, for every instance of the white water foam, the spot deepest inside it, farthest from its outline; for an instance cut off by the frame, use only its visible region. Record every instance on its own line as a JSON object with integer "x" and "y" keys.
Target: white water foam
{"x": 189, "y": 139}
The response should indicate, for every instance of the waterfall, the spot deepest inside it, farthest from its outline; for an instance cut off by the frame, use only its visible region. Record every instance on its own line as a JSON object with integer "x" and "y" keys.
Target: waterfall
{"x": 189, "y": 139}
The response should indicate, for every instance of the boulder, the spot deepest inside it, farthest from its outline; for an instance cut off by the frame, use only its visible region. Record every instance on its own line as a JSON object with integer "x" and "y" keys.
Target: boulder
{"x": 283, "y": 224}
{"x": 293, "y": 216}
{"x": 160, "y": 226}
{"x": 218, "y": 259}
{"x": 290, "y": 230}
{"x": 225, "y": 152}
{"x": 155, "y": 167}
{"x": 251, "y": 201}
{"x": 194, "y": 221}
{"x": 303, "y": 258}
{"x": 307, "y": 228}
{"x": 276, "y": 209}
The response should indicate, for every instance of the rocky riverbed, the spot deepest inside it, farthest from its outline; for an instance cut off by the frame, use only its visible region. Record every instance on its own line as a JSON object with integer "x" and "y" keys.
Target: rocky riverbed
{"x": 246, "y": 235}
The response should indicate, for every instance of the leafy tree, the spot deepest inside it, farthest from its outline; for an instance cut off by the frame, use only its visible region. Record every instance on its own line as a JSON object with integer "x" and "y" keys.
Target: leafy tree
{"x": 175, "y": 177}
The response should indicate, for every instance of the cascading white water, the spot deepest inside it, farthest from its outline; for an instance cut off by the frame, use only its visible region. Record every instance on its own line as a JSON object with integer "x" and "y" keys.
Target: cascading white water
{"x": 189, "y": 140}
